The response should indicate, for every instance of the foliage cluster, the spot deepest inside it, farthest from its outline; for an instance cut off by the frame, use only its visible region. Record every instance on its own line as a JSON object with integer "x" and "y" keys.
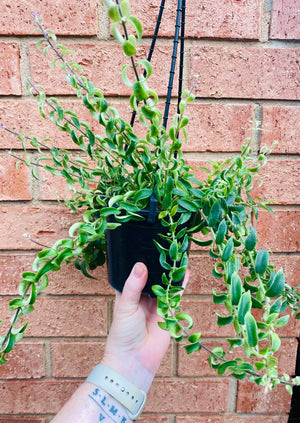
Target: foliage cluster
{"x": 118, "y": 174}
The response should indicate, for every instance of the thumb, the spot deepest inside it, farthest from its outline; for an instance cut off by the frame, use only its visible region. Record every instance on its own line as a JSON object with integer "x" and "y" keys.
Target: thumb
{"x": 134, "y": 285}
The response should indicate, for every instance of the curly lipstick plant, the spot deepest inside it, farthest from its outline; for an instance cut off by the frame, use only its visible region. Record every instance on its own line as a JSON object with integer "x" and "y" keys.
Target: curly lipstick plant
{"x": 123, "y": 174}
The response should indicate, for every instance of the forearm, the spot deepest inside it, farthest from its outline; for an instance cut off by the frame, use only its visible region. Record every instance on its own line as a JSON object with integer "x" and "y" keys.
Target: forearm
{"x": 90, "y": 404}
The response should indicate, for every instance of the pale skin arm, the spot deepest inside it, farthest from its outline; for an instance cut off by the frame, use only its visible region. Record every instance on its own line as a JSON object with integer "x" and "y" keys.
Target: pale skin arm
{"x": 135, "y": 348}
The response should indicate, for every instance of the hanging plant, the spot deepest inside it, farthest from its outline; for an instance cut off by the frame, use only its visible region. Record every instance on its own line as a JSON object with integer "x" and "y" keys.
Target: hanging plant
{"x": 129, "y": 179}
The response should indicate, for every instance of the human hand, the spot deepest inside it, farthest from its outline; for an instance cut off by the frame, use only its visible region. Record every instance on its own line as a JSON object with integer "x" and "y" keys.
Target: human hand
{"x": 136, "y": 344}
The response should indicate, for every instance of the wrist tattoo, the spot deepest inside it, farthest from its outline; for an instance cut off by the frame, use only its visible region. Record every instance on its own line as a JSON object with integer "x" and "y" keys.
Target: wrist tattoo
{"x": 109, "y": 412}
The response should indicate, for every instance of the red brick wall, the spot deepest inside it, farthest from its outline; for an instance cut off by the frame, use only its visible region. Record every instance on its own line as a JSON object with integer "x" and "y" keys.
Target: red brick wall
{"x": 247, "y": 54}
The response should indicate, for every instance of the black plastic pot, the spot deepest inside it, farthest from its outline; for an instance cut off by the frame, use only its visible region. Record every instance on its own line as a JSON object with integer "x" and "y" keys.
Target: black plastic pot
{"x": 130, "y": 243}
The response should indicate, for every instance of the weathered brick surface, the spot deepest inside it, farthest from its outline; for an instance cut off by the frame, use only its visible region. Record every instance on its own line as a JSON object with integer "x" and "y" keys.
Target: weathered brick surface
{"x": 282, "y": 124}
{"x": 229, "y": 72}
{"x": 95, "y": 60}
{"x": 205, "y": 320}
{"x": 290, "y": 265}
{"x": 64, "y": 317}
{"x": 25, "y": 420}
{"x": 281, "y": 183}
{"x": 229, "y": 20}
{"x": 154, "y": 419}
{"x": 279, "y": 232}
{"x": 63, "y": 17}
{"x": 68, "y": 281}
{"x": 25, "y": 361}
{"x": 251, "y": 399}
{"x": 43, "y": 224}
{"x": 201, "y": 279}
{"x": 285, "y": 23}
{"x": 235, "y": 418}
{"x": 21, "y": 397}
{"x": 24, "y": 116}
{"x": 77, "y": 359}
{"x": 218, "y": 127}
{"x": 10, "y": 78}
{"x": 188, "y": 395}
{"x": 14, "y": 183}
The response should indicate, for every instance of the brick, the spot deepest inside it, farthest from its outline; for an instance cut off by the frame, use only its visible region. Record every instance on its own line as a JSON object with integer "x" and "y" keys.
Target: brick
{"x": 218, "y": 127}
{"x": 87, "y": 355}
{"x": 54, "y": 187}
{"x": 205, "y": 320}
{"x": 23, "y": 116}
{"x": 42, "y": 224}
{"x": 228, "y": 22}
{"x": 287, "y": 356}
{"x": 68, "y": 281}
{"x": 196, "y": 364}
{"x": 64, "y": 18}
{"x": 10, "y": 82}
{"x": 64, "y": 354}
{"x": 186, "y": 395}
{"x": 21, "y": 420}
{"x": 64, "y": 317}
{"x": 234, "y": 418}
{"x": 22, "y": 397}
{"x": 201, "y": 279}
{"x": 290, "y": 265}
{"x": 252, "y": 399}
{"x": 15, "y": 183}
{"x": 282, "y": 124}
{"x": 25, "y": 361}
{"x": 12, "y": 266}
{"x": 279, "y": 232}
{"x": 96, "y": 61}
{"x": 248, "y": 72}
{"x": 153, "y": 419}
{"x": 281, "y": 183}
{"x": 285, "y": 22}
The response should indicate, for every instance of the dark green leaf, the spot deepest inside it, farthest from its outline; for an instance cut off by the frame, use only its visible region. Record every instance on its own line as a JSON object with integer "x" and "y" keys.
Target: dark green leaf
{"x": 214, "y": 214}
{"x": 244, "y": 306}
{"x": 236, "y": 288}
{"x": 251, "y": 239}
{"x": 261, "y": 261}
{"x": 178, "y": 274}
{"x": 277, "y": 285}
{"x": 227, "y": 252}
{"x": 223, "y": 321}
{"x": 251, "y": 329}
{"x": 222, "y": 231}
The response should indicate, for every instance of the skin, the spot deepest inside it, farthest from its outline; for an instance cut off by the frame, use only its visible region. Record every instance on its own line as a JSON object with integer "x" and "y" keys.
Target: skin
{"x": 135, "y": 348}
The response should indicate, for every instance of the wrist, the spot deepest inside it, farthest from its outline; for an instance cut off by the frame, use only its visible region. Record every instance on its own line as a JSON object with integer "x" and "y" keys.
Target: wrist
{"x": 132, "y": 369}
{"x": 119, "y": 388}
{"x": 108, "y": 406}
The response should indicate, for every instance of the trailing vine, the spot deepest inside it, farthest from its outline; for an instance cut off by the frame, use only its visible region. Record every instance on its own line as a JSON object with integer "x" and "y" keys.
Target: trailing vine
{"x": 118, "y": 177}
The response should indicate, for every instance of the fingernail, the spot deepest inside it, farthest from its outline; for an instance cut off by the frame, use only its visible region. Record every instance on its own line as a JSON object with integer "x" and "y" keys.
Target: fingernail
{"x": 138, "y": 270}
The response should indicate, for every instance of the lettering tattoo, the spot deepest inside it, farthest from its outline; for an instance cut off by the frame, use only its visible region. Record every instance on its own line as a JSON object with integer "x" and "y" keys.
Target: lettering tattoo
{"x": 108, "y": 411}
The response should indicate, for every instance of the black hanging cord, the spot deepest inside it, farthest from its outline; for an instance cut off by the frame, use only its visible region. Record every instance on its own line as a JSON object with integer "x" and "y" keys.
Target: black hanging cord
{"x": 294, "y": 416}
{"x": 173, "y": 63}
{"x": 158, "y": 22}
{"x": 181, "y": 63}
